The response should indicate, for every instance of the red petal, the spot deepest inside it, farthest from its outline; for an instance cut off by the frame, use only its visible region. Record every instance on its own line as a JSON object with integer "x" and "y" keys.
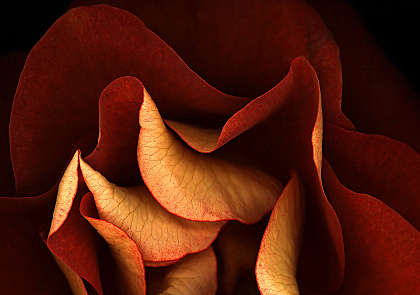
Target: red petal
{"x": 278, "y": 256}
{"x": 71, "y": 238}
{"x": 115, "y": 154}
{"x": 194, "y": 186}
{"x": 160, "y": 236}
{"x": 245, "y": 47}
{"x": 123, "y": 248}
{"x": 382, "y": 249}
{"x": 376, "y": 97}
{"x": 26, "y": 265}
{"x": 56, "y": 100}
{"x": 379, "y": 166}
{"x": 194, "y": 274}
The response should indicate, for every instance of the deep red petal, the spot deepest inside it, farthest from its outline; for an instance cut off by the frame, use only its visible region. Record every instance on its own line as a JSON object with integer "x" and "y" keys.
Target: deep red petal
{"x": 55, "y": 105}
{"x": 245, "y": 47}
{"x": 376, "y": 97}
{"x": 382, "y": 248}
{"x": 377, "y": 165}
{"x": 26, "y": 264}
{"x": 115, "y": 154}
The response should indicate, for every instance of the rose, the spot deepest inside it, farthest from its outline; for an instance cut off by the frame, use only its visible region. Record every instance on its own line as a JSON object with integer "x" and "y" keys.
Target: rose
{"x": 370, "y": 229}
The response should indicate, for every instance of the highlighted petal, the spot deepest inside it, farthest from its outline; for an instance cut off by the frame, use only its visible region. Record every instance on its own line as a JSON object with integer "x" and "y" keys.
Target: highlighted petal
{"x": 123, "y": 248}
{"x": 382, "y": 248}
{"x": 195, "y": 186}
{"x": 71, "y": 239}
{"x": 194, "y": 274}
{"x": 279, "y": 251}
{"x": 160, "y": 236}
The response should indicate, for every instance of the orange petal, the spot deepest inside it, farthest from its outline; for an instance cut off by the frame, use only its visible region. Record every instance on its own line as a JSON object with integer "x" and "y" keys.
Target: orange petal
{"x": 123, "y": 248}
{"x": 278, "y": 255}
{"x": 194, "y": 274}
{"x": 74, "y": 280}
{"x": 195, "y": 186}
{"x": 160, "y": 236}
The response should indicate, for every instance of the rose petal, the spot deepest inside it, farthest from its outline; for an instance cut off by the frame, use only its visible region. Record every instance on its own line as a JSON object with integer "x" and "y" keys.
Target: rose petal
{"x": 277, "y": 259}
{"x": 245, "y": 47}
{"x": 123, "y": 248}
{"x": 26, "y": 265}
{"x": 75, "y": 281}
{"x": 56, "y": 99}
{"x": 159, "y": 235}
{"x": 194, "y": 274}
{"x": 379, "y": 166}
{"x": 376, "y": 96}
{"x": 71, "y": 238}
{"x": 237, "y": 248}
{"x": 194, "y": 186}
{"x": 382, "y": 249}
{"x": 206, "y": 140}
{"x": 115, "y": 153}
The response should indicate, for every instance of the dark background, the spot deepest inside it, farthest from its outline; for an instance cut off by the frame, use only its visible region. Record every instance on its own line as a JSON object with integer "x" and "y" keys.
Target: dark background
{"x": 394, "y": 24}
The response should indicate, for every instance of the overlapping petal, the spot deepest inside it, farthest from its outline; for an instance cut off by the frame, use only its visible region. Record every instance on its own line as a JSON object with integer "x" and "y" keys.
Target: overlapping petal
{"x": 55, "y": 103}
{"x": 160, "y": 235}
{"x": 379, "y": 166}
{"x": 195, "y": 186}
{"x": 382, "y": 248}
{"x": 71, "y": 239}
{"x": 278, "y": 256}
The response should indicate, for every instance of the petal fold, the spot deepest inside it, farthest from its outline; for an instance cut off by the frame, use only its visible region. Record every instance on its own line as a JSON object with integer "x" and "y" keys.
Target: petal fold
{"x": 193, "y": 185}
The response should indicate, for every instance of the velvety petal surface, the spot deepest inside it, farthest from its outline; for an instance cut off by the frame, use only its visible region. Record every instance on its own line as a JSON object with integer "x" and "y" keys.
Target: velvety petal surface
{"x": 160, "y": 235}
{"x": 379, "y": 166}
{"x": 193, "y": 185}
{"x": 26, "y": 265}
{"x": 55, "y": 105}
{"x": 376, "y": 96}
{"x": 194, "y": 274}
{"x": 382, "y": 248}
{"x": 279, "y": 251}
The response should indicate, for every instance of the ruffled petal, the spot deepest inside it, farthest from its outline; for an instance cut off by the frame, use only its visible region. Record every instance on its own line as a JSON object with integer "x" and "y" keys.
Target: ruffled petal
{"x": 160, "y": 236}
{"x": 195, "y": 186}
{"x": 277, "y": 259}
{"x": 382, "y": 248}
{"x": 379, "y": 166}
{"x": 55, "y": 103}
{"x": 194, "y": 274}
{"x": 245, "y": 47}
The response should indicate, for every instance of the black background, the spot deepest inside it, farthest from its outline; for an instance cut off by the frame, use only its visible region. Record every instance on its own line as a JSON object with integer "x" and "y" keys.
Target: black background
{"x": 394, "y": 24}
